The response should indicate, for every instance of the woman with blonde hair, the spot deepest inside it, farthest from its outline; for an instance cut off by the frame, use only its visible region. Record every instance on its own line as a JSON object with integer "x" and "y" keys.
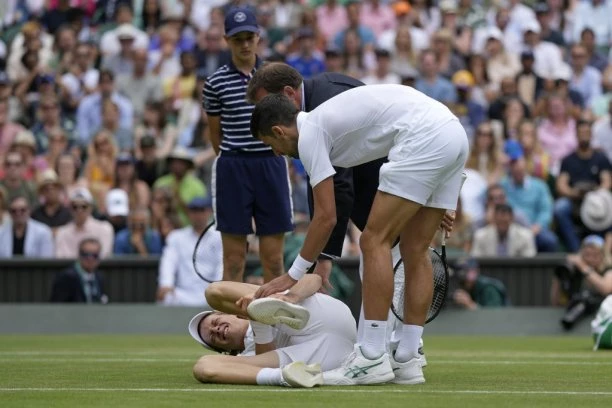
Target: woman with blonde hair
{"x": 404, "y": 57}
{"x": 486, "y": 156}
{"x": 100, "y": 167}
{"x": 138, "y": 191}
{"x": 536, "y": 159}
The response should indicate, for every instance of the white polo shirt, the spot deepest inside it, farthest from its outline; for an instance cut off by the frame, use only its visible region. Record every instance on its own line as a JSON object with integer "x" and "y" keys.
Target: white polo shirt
{"x": 362, "y": 124}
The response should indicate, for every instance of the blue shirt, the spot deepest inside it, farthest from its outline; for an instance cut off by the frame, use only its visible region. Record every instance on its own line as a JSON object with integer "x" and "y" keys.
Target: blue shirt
{"x": 441, "y": 89}
{"x": 533, "y": 199}
{"x": 366, "y": 36}
{"x": 588, "y": 84}
{"x": 123, "y": 246}
{"x": 89, "y": 115}
{"x": 225, "y": 95}
{"x": 307, "y": 67}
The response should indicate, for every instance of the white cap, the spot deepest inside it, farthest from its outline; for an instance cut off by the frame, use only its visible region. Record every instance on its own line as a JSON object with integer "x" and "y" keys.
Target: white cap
{"x": 117, "y": 203}
{"x": 125, "y": 30}
{"x": 81, "y": 194}
{"x": 194, "y": 326}
{"x": 533, "y": 26}
{"x": 563, "y": 72}
{"x": 494, "y": 32}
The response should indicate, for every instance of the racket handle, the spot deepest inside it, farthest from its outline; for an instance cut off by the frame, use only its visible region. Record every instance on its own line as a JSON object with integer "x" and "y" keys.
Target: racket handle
{"x": 443, "y": 240}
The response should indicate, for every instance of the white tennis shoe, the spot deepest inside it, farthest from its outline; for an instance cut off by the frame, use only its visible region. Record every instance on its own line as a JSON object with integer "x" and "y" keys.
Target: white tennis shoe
{"x": 300, "y": 375}
{"x": 408, "y": 373}
{"x": 274, "y": 311}
{"x": 421, "y": 357}
{"x": 360, "y": 370}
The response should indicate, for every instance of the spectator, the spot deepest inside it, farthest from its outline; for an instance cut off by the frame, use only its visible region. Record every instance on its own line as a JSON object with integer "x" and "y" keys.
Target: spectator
{"x": 8, "y": 129}
{"x": 377, "y": 17}
{"x": 585, "y": 79}
{"x": 530, "y": 196}
{"x": 83, "y": 226}
{"x": 51, "y": 119}
{"x": 210, "y": 51}
{"x": 333, "y": 60}
{"x": 117, "y": 208}
{"x": 500, "y": 63}
{"x": 582, "y": 171}
{"x": 508, "y": 91}
{"x": 602, "y": 133}
{"x": 365, "y": 35}
{"x": 14, "y": 182}
{"x": 600, "y": 104}
{"x": 140, "y": 86}
{"x": 165, "y": 61}
{"x": 548, "y": 56}
{"x": 149, "y": 168}
{"x": 52, "y": 211}
{"x": 162, "y": 206}
{"x": 596, "y": 58}
{"x": 121, "y": 63}
{"x": 127, "y": 180}
{"x": 121, "y": 136}
{"x": 100, "y": 166}
{"x": 476, "y": 290}
{"x": 308, "y": 61}
{"x": 382, "y": 74}
{"x": 432, "y": 83}
{"x": 404, "y": 56}
{"x": 81, "y": 283}
{"x": 138, "y": 238}
{"x": 449, "y": 61}
{"x": 504, "y": 237}
{"x": 23, "y": 236}
{"x": 81, "y": 79}
{"x": 25, "y": 144}
{"x": 178, "y": 284}
{"x": 155, "y": 125}
{"x": 425, "y": 14}
{"x": 529, "y": 85}
{"x": 67, "y": 168}
{"x": 357, "y": 61}
{"x": 332, "y": 19}
{"x": 595, "y": 14}
{"x": 549, "y": 34}
{"x": 557, "y": 132}
{"x": 4, "y": 215}
{"x": 513, "y": 115}
{"x": 485, "y": 155}
{"x": 470, "y": 113}
{"x": 184, "y": 184}
{"x": 58, "y": 145}
{"x": 537, "y": 159}
{"x": 110, "y": 43}
{"x": 89, "y": 113}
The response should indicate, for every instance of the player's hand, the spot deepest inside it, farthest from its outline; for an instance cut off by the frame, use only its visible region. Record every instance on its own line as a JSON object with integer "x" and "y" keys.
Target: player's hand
{"x": 280, "y": 284}
{"x": 323, "y": 269}
{"x": 244, "y": 302}
{"x": 448, "y": 222}
{"x": 288, "y": 297}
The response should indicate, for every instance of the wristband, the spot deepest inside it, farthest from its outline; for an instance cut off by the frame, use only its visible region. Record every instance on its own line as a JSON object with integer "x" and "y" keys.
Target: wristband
{"x": 263, "y": 333}
{"x": 299, "y": 268}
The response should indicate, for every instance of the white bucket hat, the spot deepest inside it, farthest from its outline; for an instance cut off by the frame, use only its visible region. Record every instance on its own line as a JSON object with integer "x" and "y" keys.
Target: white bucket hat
{"x": 596, "y": 210}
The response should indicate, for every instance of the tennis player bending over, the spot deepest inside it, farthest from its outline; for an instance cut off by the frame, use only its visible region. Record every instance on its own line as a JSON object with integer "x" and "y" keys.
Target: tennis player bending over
{"x": 427, "y": 148}
{"x": 266, "y": 355}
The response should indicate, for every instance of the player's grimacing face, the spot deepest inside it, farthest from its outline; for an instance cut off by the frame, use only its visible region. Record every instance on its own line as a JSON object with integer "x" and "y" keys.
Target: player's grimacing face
{"x": 223, "y": 331}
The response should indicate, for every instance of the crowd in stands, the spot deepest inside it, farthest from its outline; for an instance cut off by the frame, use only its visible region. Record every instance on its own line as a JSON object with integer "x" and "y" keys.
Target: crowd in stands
{"x": 102, "y": 131}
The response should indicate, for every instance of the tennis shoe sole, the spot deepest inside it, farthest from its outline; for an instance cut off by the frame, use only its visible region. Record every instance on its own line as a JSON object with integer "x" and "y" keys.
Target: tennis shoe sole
{"x": 275, "y": 311}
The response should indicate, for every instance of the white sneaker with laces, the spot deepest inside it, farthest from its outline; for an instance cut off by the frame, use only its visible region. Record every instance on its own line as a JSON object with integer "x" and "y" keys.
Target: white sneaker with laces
{"x": 274, "y": 311}
{"x": 300, "y": 375}
{"x": 360, "y": 370}
{"x": 410, "y": 372}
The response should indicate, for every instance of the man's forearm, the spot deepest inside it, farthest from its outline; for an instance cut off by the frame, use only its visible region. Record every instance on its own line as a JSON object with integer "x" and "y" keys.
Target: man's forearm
{"x": 306, "y": 287}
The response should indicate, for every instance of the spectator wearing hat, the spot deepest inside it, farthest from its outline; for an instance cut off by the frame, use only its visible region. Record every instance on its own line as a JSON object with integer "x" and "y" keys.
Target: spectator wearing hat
{"x": 331, "y": 18}
{"x": 308, "y": 61}
{"x": 544, "y": 17}
{"x": 500, "y": 63}
{"x": 14, "y": 182}
{"x": 504, "y": 237}
{"x": 83, "y": 226}
{"x": 548, "y": 56}
{"x": 531, "y": 196}
{"x": 149, "y": 167}
{"x": 82, "y": 78}
{"x": 116, "y": 208}
{"x": 178, "y": 284}
{"x": 597, "y": 59}
{"x": 476, "y": 290}
{"x": 121, "y": 62}
{"x": 110, "y": 43}
{"x": 365, "y": 34}
{"x": 431, "y": 83}
{"x": 89, "y": 113}
{"x": 185, "y": 185}
{"x": 247, "y": 176}
{"x": 8, "y": 129}
{"x": 470, "y": 113}
{"x": 602, "y": 133}
{"x": 529, "y": 85}
{"x": 138, "y": 238}
{"x": 583, "y": 171}
{"x": 50, "y": 120}
{"x": 126, "y": 179}
{"x": 52, "y": 211}
{"x": 585, "y": 79}
{"x": 449, "y": 11}
{"x": 25, "y": 144}
{"x": 139, "y": 85}
{"x": 382, "y": 74}
{"x": 23, "y": 236}
{"x": 562, "y": 88}
{"x": 81, "y": 283}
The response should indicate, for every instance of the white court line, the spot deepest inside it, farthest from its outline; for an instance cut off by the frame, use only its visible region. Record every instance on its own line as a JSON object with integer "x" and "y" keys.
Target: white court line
{"x": 318, "y": 390}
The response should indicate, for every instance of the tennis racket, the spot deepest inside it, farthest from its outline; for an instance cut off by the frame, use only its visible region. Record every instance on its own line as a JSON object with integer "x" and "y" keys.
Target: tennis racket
{"x": 440, "y": 287}
{"x": 201, "y": 253}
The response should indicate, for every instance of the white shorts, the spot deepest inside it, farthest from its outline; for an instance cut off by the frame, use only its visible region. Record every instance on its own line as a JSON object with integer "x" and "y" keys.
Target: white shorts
{"x": 328, "y": 338}
{"x": 427, "y": 169}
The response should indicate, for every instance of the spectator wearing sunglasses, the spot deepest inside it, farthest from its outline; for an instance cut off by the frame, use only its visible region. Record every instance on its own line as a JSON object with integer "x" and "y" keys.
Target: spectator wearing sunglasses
{"x": 83, "y": 226}
{"x": 82, "y": 282}
{"x": 13, "y": 180}
{"x": 22, "y": 236}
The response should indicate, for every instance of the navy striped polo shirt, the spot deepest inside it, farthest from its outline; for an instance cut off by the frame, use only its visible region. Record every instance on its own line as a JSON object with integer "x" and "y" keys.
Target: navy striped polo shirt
{"x": 225, "y": 95}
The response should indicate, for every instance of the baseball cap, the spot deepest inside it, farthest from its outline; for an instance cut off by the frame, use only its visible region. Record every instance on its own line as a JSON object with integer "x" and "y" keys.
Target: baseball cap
{"x": 240, "y": 19}
{"x": 527, "y": 54}
{"x": 495, "y": 33}
{"x": 594, "y": 240}
{"x": 81, "y": 194}
{"x": 513, "y": 150}
{"x": 193, "y": 327}
{"x": 532, "y": 26}
{"x": 463, "y": 79}
{"x": 117, "y": 203}
{"x": 200, "y": 203}
{"x": 125, "y": 31}
{"x": 125, "y": 158}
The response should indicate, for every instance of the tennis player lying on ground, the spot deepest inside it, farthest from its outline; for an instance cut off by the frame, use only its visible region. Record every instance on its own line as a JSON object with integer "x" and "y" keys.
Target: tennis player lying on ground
{"x": 266, "y": 355}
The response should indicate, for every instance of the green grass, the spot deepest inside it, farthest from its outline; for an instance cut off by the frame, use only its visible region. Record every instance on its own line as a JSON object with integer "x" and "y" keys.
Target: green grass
{"x": 155, "y": 371}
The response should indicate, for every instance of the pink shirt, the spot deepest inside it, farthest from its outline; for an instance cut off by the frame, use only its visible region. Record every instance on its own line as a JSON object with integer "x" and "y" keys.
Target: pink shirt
{"x": 331, "y": 21}
{"x": 69, "y": 236}
{"x": 378, "y": 19}
{"x": 558, "y": 143}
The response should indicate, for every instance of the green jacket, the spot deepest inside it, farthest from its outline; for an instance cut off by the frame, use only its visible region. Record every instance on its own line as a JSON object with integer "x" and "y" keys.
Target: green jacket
{"x": 489, "y": 292}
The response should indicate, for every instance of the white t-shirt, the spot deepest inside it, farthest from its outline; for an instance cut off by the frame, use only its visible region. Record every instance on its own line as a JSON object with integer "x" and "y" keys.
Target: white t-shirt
{"x": 362, "y": 124}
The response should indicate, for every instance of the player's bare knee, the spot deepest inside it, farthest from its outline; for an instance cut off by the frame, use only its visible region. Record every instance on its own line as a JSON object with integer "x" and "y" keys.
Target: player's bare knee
{"x": 213, "y": 291}
{"x": 205, "y": 369}
{"x": 369, "y": 241}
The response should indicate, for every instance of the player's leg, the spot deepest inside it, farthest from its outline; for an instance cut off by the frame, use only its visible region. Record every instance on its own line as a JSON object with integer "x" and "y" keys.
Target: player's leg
{"x": 220, "y": 369}
{"x": 222, "y": 296}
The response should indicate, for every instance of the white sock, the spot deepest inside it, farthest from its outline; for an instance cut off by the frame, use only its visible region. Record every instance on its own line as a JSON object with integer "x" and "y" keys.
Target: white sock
{"x": 409, "y": 343}
{"x": 269, "y": 376}
{"x": 373, "y": 344}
